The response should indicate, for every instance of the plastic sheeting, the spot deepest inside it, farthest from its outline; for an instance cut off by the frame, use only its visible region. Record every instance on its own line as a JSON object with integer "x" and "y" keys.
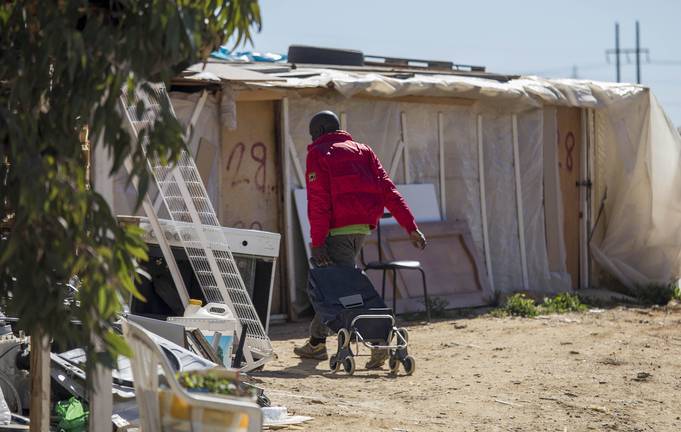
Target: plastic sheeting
{"x": 513, "y": 95}
{"x": 462, "y": 184}
{"x": 637, "y": 159}
{"x": 530, "y": 148}
{"x": 378, "y": 124}
{"x": 500, "y": 196}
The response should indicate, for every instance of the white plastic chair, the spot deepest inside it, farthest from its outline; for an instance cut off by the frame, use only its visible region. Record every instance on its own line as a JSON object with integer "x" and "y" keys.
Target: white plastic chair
{"x": 148, "y": 361}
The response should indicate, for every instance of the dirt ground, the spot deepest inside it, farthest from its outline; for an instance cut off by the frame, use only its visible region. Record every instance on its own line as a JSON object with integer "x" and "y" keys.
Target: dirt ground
{"x": 615, "y": 369}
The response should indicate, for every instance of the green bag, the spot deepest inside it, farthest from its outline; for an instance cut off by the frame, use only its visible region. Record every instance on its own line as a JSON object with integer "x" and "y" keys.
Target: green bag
{"x": 72, "y": 416}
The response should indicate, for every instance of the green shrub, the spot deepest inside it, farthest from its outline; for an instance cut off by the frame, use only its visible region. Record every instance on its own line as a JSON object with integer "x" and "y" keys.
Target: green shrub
{"x": 563, "y": 303}
{"x": 520, "y": 305}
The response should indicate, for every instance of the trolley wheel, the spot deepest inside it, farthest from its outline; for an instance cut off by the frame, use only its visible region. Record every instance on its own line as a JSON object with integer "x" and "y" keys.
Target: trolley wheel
{"x": 334, "y": 364}
{"x": 349, "y": 365}
{"x": 409, "y": 365}
{"x": 343, "y": 338}
{"x": 394, "y": 365}
{"x": 404, "y": 333}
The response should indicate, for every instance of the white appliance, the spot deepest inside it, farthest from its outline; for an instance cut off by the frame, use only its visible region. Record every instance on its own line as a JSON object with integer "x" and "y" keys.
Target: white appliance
{"x": 255, "y": 253}
{"x": 212, "y": 319}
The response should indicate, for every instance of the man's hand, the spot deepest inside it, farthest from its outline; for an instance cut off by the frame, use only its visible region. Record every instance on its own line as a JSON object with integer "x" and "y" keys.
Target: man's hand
{"x": 319, "y": 257}
{"x": 418, "y": 239}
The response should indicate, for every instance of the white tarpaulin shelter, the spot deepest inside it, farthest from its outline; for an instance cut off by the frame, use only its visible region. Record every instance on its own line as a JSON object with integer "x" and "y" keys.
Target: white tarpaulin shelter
{"x": 635, "y": 156}
{"x": 560, "y": 182}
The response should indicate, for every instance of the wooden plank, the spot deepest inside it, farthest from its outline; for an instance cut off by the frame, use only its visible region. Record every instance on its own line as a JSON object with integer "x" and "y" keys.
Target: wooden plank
{"x": 584, "y": 210}
{"x": 519, "y": 203}
{"x": 453, "y": 266}
{"x": 399, "y": 151}
{"x": 483, "y": 202}
{"x": 293, "y": 155}
{"x": 205, "y": 155}
{"x": 40, "y": 381}
{"x": 100, "y": 398}
{"x": 441, "y": 170}
{"x": 569, "y": 143}
{"x": 255, "y": 95}
{"x": 552, "y": 195}
{"x": 406, "y": 160}
{"x": 344, "y": 121}
{"x": 196, "y": 112}
{"x": 288, "y": 219}
{"x": 250, "y": 188}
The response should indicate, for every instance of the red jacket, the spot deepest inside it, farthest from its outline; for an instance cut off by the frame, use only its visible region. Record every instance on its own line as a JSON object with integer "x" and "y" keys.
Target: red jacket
{"x": 346, "y": 185}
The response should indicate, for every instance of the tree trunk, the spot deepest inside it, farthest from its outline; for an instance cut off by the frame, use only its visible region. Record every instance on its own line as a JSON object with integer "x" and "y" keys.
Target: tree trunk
{"x": 99, "y": 391}
{"x": 40, "y": 381}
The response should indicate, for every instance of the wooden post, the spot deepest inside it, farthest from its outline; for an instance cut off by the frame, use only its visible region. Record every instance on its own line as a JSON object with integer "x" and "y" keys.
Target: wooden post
{"x": 584, "y": 179}
{"x": 40, "y": 381}
{"x": 483, "y": 203}
{"x": 406, "y": 160}
{"x": 288, "y": 207}
{"x": 99, "y": 392}
{"x": 443, "y": 179}
{"x": 519, "y": 203}
{"x": 344, "y": 121}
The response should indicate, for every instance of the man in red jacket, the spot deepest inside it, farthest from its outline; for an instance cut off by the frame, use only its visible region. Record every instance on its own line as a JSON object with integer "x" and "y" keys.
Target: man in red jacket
{"x": 347, "y": 191}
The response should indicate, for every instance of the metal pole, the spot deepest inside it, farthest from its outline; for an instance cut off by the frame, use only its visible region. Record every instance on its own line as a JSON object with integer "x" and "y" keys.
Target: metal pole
{"x": 638, "y": 54}
{"x": 519, "y": 204}
{"x": 617, "y": 51}
{"x": 441, "y": 145}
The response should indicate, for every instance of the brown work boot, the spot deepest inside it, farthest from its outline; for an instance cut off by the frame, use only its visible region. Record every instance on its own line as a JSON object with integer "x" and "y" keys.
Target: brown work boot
{"x": 377, "y": 360}
{"x": 316, "y": 352}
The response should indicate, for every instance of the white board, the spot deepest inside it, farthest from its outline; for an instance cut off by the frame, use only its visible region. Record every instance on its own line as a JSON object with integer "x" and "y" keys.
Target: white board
{"x": 421, "y": 199}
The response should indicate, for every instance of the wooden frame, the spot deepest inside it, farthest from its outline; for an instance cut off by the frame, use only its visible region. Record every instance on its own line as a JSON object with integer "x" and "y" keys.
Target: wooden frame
{"x": 519, "y": 203}
{"x": 441, "y": 151}
{"x": 483, "y": 203}
{"x": 454, "y": 231}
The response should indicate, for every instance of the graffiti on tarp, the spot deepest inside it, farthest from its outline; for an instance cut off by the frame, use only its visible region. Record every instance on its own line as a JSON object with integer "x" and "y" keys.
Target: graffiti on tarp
{"x": 257, "y": 174}
{"x": 569, "y": 144}
{"x": 569, "y": 147}
{"x": 259, "y": 154}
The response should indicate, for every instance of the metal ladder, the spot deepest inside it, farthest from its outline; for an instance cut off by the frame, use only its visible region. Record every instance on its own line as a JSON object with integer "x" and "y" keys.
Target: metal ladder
{"x": 186, "y": 199}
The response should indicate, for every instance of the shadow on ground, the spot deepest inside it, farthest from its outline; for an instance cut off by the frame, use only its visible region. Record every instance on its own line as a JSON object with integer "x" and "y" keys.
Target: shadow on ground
{"x": 306, "y": 368}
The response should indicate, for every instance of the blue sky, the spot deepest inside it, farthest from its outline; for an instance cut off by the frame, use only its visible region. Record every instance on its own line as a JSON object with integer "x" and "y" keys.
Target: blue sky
{"x": 546, "y": 37}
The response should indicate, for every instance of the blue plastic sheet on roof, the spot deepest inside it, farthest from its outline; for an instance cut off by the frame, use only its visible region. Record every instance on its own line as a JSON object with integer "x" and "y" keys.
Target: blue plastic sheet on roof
{"x": 249, "y": 56}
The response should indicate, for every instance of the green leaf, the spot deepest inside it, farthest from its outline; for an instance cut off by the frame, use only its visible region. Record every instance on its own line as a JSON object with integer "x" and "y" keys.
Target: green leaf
{"x": 118, "y": 344}
{"x": 65, "y": 65}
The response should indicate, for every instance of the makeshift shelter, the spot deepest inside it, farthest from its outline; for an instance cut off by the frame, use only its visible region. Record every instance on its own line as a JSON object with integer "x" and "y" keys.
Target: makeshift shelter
{"x": 556, "y": 183}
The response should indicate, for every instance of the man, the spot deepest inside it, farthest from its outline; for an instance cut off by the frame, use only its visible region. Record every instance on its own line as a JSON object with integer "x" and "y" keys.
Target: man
{"x": 347, "y": 191}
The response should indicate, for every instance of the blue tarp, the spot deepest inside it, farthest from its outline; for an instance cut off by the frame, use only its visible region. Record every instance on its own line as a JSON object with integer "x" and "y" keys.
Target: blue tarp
{"x": 224, "y": 53}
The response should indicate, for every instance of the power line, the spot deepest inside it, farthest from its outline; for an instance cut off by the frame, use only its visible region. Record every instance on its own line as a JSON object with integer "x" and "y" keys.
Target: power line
{"x": 665, "y": 62}
{"x": 617, "y": 52}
